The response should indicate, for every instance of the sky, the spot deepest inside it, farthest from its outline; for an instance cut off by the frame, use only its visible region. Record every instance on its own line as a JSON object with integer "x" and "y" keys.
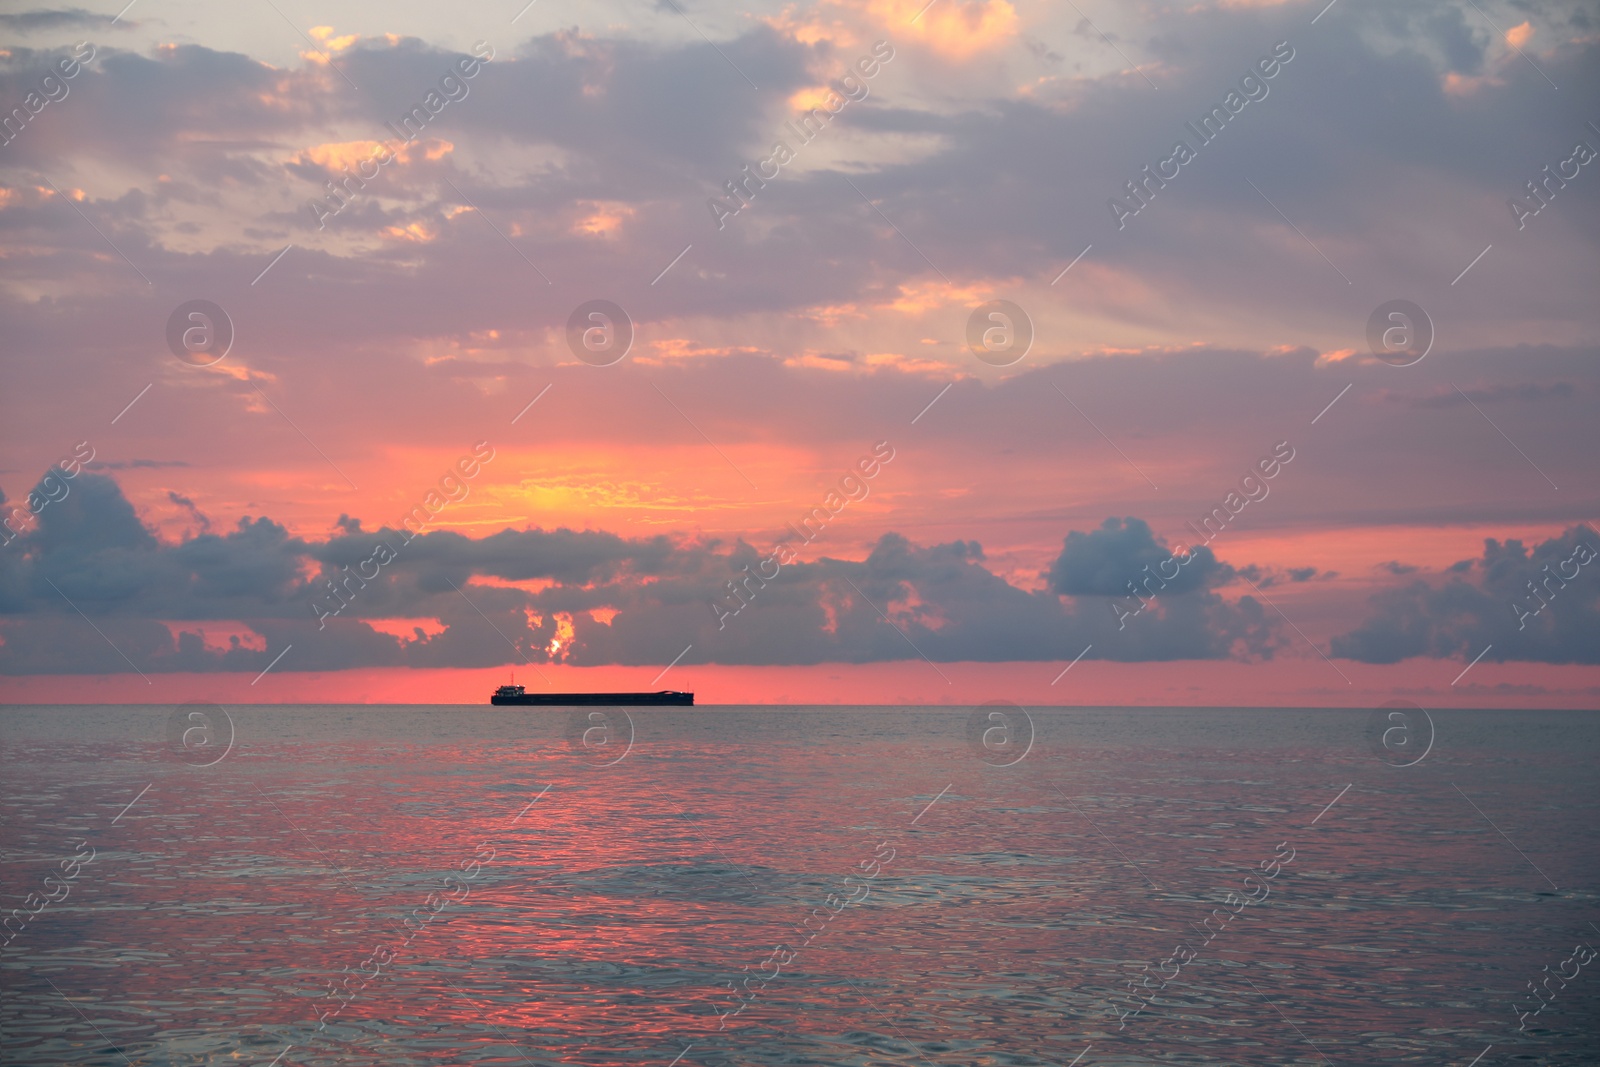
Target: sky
{"x": 1215, "y": 353}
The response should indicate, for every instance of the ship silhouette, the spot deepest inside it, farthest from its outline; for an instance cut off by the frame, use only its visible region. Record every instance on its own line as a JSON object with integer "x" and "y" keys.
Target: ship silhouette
{"x": 515, "y": 694}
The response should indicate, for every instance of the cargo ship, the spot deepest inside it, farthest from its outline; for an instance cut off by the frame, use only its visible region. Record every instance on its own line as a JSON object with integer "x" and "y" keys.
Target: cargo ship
{"x": 515, "y": 694}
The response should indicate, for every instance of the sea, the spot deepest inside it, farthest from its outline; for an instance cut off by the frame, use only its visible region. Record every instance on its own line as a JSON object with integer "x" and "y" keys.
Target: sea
{"x": 996, "y": 885}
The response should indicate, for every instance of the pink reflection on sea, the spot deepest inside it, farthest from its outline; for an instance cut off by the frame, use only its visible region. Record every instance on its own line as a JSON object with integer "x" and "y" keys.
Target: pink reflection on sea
{"x": 453, "y": 886}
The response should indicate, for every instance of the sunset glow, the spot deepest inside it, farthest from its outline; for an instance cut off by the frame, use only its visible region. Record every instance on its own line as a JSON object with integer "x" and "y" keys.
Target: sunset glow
{"x": 583, "y": 385}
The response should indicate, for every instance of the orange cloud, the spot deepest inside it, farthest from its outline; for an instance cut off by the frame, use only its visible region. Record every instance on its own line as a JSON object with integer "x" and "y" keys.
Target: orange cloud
{"x": 324, "y": 34}
{"x": 820, "y": 361}
{"x": 339, "y": 155}
{"x": 406, "y": 629}
{"x": 77, "y": 195}
{"x": 1466, "y": 84}
{"x": 869, "y": 361}
{"x": 527, "y": 585}
{"x": 344, "y": 155}
{"x": 920, "y": 296}
{"x": 604, "y": 218}
{"x": 809, "y": 27}
{"x": 219, "y": 636}
{"x": 956, "y": 28}
{"x": 812, "y": 96}
{"x": 564, "y": 635}
{"x": 416, "y": 231}
{"x": 833, "y": 314}
{"x": 907, "y": 364}
{"x": 25, "y": 195}
{"x": 658, "y": 351}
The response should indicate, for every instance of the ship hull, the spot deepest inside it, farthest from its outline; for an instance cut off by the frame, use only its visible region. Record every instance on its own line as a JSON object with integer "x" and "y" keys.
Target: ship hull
{"x": 565, "y": 700}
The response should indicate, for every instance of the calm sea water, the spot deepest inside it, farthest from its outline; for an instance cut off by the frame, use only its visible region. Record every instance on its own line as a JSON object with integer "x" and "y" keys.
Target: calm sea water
{"x": 465, "y": 885}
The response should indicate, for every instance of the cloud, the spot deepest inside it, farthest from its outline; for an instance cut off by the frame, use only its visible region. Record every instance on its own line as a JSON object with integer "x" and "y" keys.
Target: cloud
{"x": 957, "y": 28}
{"x": 1531, "y": 391}
{"x": 583, "y": 598}
{"x": 1109, "y": 561}
{"x": 36, "y": 21}
{"x": 134, "y": 464}
{"x": 1540, "y": 605}
{"x": 200, "y": 138}
{"x": 195, "y": 515}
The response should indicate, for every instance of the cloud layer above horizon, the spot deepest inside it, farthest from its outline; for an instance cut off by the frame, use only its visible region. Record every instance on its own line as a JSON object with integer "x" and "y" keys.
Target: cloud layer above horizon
{"x": 408, "y": 597}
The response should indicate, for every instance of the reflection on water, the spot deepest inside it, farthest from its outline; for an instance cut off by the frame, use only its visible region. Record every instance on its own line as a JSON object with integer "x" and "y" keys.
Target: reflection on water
{"x": 467, "y": 885}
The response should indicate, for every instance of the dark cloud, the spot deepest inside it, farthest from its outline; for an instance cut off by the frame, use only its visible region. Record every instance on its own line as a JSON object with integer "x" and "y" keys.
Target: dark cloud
{"x": 194, "y": 513}
{"x": 36, "y": 21}
{"x": 1266, "y": 579}
{"x": 1110, "y": 562}
{"x": 94, "y": 516}
{"x": 134, "y": 464}
{"x": 1534, "y": 391}
{"x": 1540, "y": 604}
{"x": 539, "y": 596}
